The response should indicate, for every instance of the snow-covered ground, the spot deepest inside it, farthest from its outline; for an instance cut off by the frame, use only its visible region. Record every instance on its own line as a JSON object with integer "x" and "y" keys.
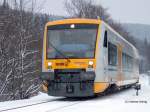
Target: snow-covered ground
{"x": 124, "y": 101}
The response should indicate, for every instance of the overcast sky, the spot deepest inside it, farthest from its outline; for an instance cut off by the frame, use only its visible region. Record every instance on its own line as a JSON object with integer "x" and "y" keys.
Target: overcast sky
{"x": 131, "y": 11}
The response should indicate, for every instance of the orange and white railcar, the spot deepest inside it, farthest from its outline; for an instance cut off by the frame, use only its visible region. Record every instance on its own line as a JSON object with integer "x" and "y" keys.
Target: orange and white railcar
{"x": 84, "y": 57}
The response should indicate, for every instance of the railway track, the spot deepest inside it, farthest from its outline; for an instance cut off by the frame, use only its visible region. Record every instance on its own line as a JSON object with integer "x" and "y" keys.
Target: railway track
{"x": 62, "y": 107}
{"x": 65, "y": 103}
{"x": 19, "y": 107}
{"x": 44, "y": 102}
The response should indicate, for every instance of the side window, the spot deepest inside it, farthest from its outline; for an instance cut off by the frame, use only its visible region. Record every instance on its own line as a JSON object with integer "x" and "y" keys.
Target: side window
{"x": 130, "y": 62}
{"x": 124, "y": 60}
{"x": 112, "y": 54}
{"x": 127, "y": 61}
{"x": 105, "y": 39}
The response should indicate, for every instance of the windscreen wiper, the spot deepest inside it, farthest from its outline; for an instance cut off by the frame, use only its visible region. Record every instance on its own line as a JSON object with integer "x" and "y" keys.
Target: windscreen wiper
{"x": 62, "y": 54}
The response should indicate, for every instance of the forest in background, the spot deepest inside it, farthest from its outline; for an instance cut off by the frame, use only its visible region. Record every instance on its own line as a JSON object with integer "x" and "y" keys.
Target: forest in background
{"x": 21, "y": 36}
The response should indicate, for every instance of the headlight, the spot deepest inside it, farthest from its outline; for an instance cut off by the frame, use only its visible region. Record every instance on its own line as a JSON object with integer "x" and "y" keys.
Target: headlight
{"x": 90, "y": 62}
{"x": 49, "y": 63}
{"x": 72, "y": 26}
{"x": 49, "y": 67}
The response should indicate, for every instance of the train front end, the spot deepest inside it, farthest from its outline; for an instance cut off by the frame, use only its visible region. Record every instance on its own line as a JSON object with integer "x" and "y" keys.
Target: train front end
{"x": 69, "y": 57}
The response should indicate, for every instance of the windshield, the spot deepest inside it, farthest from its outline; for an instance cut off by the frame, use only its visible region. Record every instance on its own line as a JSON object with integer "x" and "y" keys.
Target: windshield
{"x": 72, "y": 40}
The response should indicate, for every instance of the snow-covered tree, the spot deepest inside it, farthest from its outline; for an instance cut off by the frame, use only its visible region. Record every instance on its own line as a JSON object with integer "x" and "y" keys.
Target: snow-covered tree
{"x": 20, "y": 56}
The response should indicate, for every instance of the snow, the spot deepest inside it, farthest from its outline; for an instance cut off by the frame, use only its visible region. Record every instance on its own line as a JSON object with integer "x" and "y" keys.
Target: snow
{"x": 123, "y": 101}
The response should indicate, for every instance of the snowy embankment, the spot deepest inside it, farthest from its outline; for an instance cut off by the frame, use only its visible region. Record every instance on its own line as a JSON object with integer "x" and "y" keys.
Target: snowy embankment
{"x": 124, "y": 101}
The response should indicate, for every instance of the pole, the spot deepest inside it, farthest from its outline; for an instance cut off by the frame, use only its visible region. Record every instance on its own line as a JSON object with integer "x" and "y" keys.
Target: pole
{"x": 149, "y": 77}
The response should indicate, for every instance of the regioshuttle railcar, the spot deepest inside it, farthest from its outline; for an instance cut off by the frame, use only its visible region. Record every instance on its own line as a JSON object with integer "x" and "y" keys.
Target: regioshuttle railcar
{"x": 85, "y": 57}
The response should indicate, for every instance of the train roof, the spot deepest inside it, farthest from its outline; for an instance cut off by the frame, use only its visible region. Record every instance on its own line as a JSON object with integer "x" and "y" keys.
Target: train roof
{"x": 74, "y": 20}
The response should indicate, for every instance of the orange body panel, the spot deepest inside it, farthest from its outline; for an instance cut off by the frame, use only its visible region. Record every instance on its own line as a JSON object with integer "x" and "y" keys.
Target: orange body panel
{"x": 73, "y": 64}
{"x": 100, "y": 87}
{"x": 120, "y": 75}
{"x": 74, "y": 21}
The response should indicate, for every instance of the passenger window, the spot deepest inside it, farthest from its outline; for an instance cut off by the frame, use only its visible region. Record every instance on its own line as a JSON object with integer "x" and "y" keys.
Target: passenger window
{"x": 124, "y": 60}
{"x": 112, "y": 54}
{"x": 127, "y": 61}
{"x": 105, "y": 39}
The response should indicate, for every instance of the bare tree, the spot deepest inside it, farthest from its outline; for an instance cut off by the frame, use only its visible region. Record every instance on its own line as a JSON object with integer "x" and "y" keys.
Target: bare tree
{"x": 20, "y": 39}
{"x": 86, "y": 9}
